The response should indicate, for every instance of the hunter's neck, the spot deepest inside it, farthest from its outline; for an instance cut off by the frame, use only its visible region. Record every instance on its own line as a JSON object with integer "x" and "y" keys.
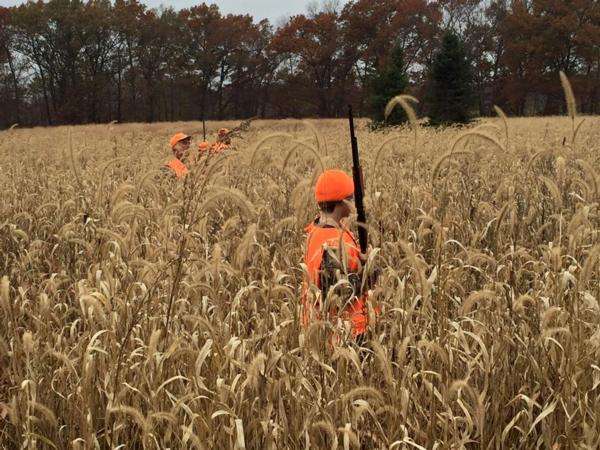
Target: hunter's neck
{"x": 330, "y": 219}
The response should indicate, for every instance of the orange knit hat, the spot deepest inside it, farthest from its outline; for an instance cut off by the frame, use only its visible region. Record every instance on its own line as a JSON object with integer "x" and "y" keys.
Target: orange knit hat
{"x": 203, "y": 146}
{"x": 333, "y": 186}
{"x": 177, "y": 138}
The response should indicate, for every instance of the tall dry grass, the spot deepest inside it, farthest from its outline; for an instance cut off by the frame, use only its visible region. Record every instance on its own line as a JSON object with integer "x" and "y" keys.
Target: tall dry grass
{"x": 138, "y": 312}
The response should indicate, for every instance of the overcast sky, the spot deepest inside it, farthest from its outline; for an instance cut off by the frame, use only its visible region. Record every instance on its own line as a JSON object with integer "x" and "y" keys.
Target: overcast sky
{"x": 259, "y": 9}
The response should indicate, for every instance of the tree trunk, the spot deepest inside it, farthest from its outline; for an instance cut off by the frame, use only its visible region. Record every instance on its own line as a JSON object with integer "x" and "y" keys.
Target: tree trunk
{"x": 220, "y": 94}
{"x": 203, "y": 114}
{"x": 119, "y": 101}
{"x": 595, "y": 100}
{"x": 151, "y": 100}
{"x": 132, "y": 82}
{"x": 165, "y": 103}
{"x": 46, "y": 100}
{"x": 15, "y": 83}
{"x": 172, "y": 98}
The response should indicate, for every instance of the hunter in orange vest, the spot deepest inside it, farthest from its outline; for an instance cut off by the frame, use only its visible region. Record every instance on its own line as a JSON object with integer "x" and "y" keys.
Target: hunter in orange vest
{"x": 332, "y": 253}
{"x": 214, "y": 148}
{"x": 204, "y": 147}
{"x": 223, "y": 137}
{"x": 222, "y": 143}
{"x": 180, "y": 144}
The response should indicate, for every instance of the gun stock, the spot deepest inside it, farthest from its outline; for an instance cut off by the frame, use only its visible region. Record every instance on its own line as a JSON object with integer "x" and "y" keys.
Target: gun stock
{"x": 357, "y": 175}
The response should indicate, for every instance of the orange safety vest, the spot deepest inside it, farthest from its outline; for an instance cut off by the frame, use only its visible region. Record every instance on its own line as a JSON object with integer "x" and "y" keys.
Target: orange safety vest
{"x": 218, "y": 147}
{"x": 318, "y": 237}
{"x": 179, "y": 168}
{"x": 212, "y": 148}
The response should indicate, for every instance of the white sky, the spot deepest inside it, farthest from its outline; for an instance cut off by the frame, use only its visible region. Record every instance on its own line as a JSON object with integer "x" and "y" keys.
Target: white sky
{"x": 274, "y": 10}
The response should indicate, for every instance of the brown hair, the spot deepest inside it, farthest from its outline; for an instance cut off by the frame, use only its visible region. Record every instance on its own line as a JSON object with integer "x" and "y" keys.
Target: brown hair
{"x": 328, "y": 207}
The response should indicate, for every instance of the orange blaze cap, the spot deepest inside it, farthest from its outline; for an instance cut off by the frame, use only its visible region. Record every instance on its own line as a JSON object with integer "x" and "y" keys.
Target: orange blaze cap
{"x": 333, "y": 186}
{"x": 177, "y": 138}
{"x": 204, "y": 145}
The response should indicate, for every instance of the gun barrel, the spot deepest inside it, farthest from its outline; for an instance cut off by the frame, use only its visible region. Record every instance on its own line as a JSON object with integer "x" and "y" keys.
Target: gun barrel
{"x": 357, "y": 176}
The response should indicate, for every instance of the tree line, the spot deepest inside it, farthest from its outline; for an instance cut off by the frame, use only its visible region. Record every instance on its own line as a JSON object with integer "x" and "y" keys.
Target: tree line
{"x": 69, "y": 61}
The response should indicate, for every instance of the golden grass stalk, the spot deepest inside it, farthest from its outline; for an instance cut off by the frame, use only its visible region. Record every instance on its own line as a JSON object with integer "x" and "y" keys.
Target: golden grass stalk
{"x": 28, "y": 344}
{"x": 153, "y": 344}
{"x": 577, "y": 128}
{"x": 244, "y": 250}
{"x": 553, "y": 190}
{"x": 260, "y": 144}
{"x": 134, "y": 414}
{"x": 503, "y": 212}
{"x": 504, "y": 118}
{"x": 524, "y": 301}
{"x": 364, "y": 392}
{"x": 328, "y": 428}
{"x": 381, "y": 150}
{"x": 321, "y": 143}
{"x": 486, "y": 137}
{"x": 76, "y": 170}
{"x": 537, "y": 156}
{"x": 350, "y": 437}
{"x": 590, "y": 174}
{"x": 221, "y": 193}
{"x": 571, "y": 104}
{"x": 569, "y": 96}
{"x": 45, "y": 412}
{"x": 485, "y": 125}
{"x": 591, "y": 264}
{"x": 437, "y": 167}
{"x": 103, "y": 174}
{"x": 5, "y": 291}
{"x": 317, "y": 158}
{"x": 240, "y": 443}
{"x": 405, "y": 102}
{"x": 144, "y": 180}
{"x": 474, "y": 298}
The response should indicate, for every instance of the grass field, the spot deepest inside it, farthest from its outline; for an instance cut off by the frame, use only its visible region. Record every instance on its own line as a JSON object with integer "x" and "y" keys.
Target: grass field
{"x": 141, "y": 312}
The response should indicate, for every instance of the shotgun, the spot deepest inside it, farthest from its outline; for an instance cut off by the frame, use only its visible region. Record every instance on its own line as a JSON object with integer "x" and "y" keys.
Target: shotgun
{"x": 203, "y": 128}
{"x": 357, "y": 175}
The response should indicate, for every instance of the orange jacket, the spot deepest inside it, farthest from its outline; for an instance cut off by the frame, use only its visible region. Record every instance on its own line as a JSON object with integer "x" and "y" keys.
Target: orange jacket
{"x": 213, "y": 148}
{"x": 178, "y": 168}
{"x": 218, "y": 147}
{"x": 318, "y": 237}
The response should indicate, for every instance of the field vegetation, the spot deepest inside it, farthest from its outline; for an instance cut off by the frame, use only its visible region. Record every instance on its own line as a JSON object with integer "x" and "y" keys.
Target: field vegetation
{"x": 142, "y": 312}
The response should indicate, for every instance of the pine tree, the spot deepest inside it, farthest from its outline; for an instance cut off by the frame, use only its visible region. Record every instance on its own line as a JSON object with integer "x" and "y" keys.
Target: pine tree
{"x": 385, "y": 84}
{"x": 450, "y": 96}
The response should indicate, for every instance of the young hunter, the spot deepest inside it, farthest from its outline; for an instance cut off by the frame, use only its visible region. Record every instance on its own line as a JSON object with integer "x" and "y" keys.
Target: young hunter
{"x": 332, "y": 251}
{"x": 223, "y": 137}
{"x": 180, "y": 145}
{"x": 222, "y": 143}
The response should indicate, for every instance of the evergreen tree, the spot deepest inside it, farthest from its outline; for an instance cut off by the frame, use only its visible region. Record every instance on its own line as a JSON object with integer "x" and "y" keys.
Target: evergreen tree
{"x": 385, "y": 84}
{"x": 450, "y": 88}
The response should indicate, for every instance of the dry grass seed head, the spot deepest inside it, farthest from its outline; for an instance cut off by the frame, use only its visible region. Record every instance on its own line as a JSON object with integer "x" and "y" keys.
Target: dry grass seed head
{"x": 259, "y": 144}
{"x": 220, "y": 193}
{"x": 569, "y": 96}
{"x": 474, "y": 298}
{"x": 504, "y": 118}
{"x": 405, "y": 102}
